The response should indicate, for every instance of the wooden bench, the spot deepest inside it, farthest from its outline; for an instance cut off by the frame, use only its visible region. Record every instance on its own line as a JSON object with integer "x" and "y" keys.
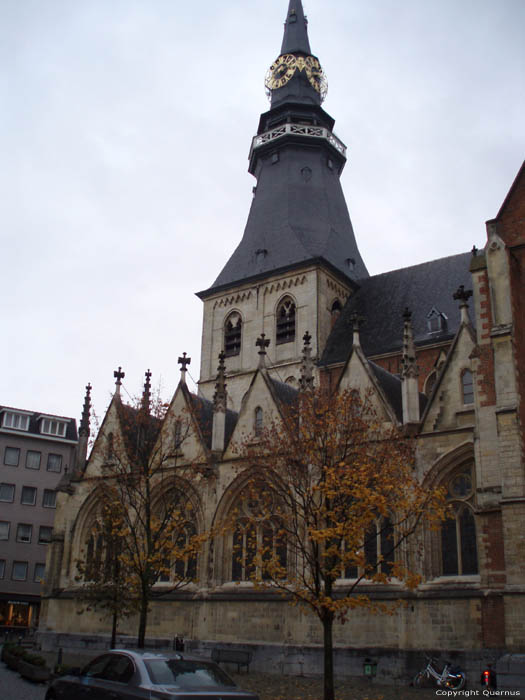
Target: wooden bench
{"x": 232, "y": 656}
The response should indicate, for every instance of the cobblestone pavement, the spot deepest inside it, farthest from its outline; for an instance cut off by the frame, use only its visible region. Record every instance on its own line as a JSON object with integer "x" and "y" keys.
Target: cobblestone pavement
{"x": 12, "y": 687}
{"x": 275, "y": 687}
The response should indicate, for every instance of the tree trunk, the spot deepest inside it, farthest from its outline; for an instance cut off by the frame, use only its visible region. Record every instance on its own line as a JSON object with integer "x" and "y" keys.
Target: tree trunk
{"x": 328, "y": 621}
{"x": 143, "y": 619}
{"x": 113, "y": 642}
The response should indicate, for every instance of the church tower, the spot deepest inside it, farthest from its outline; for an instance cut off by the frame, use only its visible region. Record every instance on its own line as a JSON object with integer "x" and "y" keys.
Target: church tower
{"x": 298, "y": 260}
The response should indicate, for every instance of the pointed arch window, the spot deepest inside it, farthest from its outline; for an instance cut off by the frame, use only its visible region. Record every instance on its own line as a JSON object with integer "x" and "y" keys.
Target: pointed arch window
{"x": 258, "y": 421}
{"x": 335, "y": 312}
{"x": 467, "y": 387}
{"x": 459, "y": 554}
{"x": 285, "y": 321}
{"x": 233, "y": 335}
{"x": 259, "y": 549}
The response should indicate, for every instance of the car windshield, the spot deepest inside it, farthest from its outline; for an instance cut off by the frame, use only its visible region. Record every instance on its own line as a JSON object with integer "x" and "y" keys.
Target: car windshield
{"x": 186, "y": 673}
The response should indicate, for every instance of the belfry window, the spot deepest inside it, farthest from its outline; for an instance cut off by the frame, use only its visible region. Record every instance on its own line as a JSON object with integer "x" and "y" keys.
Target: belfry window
{"x": 335, "y": 312}
{"x": 467, "y": 387}
{"x": 285, "y": 330}
{"x": 232, "y": 335}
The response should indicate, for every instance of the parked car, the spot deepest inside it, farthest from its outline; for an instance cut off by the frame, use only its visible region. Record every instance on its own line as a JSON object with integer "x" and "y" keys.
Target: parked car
{"x": 126, "y": 675}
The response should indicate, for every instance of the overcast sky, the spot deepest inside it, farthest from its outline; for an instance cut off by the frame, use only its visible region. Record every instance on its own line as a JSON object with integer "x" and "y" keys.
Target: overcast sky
{"x": 125, "y": 127}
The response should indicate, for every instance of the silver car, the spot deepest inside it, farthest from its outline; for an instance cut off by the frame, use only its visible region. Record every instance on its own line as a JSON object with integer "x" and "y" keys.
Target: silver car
{"x": 126, "y": 675}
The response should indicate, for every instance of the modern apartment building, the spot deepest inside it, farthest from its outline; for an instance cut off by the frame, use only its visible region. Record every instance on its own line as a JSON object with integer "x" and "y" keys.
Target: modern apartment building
{"x": 36, "y": 450}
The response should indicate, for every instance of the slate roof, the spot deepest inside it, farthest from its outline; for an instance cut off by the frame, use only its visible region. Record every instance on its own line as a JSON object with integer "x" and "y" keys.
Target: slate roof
{"x": 391, "y": 385}
{"x": 285, "y": 393}
{"x": 382, "y": 299}
{"x": 34, "y": 428}
{"x": 204, "y": 416}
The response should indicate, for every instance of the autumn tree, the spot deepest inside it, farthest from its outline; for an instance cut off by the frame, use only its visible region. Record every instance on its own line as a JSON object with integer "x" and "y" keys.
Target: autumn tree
{"x": 106, "y": 586}
{"x": 146, "y": 501}
{"x": 333, "y": 503}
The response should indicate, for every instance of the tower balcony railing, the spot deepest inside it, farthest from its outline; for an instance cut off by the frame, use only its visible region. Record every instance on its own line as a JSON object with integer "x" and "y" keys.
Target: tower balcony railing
{"x": 317, "y": 132}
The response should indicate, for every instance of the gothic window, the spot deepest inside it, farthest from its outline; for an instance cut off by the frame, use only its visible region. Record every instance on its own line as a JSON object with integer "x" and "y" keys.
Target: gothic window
{"x": 232, "y": 335}
{"x": 285, "y": 327}
{"x": 467, "y": 387}
{"x": 459, "y": 556}
{"x": 378, "y": 550}
{"x": 430, "y": 382}
{"x": 258, "y": 543}
{"x": 335, "y": 312}
{"x": 258, "y": 421}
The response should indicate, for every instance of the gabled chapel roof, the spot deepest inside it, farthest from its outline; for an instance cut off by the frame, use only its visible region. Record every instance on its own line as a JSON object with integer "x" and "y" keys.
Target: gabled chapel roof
{"x": 382, "y": 299}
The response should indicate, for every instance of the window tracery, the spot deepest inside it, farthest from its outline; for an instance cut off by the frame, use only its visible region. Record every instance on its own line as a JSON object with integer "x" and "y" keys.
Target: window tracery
{"x": 458, "y": 539}
{"x": 285, "y": 321}
{"x": 233, "y": 335}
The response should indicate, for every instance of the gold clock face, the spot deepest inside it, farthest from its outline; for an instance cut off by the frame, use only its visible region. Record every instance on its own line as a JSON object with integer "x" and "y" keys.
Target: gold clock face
{"x": 283, "y": 68}
{"x": 280, "y": 71}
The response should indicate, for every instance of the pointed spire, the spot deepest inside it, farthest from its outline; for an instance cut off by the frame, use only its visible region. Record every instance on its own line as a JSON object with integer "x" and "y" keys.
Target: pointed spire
{"x": 408, "y": 362}
{"x": 119, "y": 376}
{"x": 357, "y": 322}
{"x": 146, "y": 394}
{"x": 183, "y": 362}
{"x": 463, "y": 295}
{"x": 83, "y": 432}
{"x": 84, "y": 421}
{"x": 306, "y": 381}
{"x": 295, "y": 39}
{"x": 262, "y": 343}
{"x": 218, "y": 431}
{"x": 220, "y": 396}
{"x": 409, "y": 373}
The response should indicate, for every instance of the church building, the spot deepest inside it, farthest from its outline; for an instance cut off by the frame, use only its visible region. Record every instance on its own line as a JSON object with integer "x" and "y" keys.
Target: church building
{"x": 440, "y": 345}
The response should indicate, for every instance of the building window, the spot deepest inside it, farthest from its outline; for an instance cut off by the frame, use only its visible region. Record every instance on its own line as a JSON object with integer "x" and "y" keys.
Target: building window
{"x": 2, "y": 568}
{"x": 459, "y": 554}
{"x": 44, "y": 534}
{"x": 24, "y": 532}
{"x": 335, "y": 312}
{"x": 40, "y": 570}
{"x": 49, "y": 426}
{"x": 54, "y": 463}
{"x": 467, "y": 386}
{"x": 4, "y": 530}
{"x": 430, "y": 382}
{"x": 33, "y": 459}
{"x": 257, "y": 538}
{"x": 436, "y": 321}
{"x": 12, "y": 456}
{"x": 18, "y": 421}
{"x": 232, "y": 335}
{"x": 258, "y": 422}
{"x": 186, "y": 566}
{"x": 7, "y": 493}
{"x": 285, "y": 326}
{"x": 19, "y": 572}
{"x": 28, "y": 497}
{"x": 49, "y": 499}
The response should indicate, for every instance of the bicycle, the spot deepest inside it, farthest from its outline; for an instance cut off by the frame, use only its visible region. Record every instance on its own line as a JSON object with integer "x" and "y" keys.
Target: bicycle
{"x": 449, "y": 677}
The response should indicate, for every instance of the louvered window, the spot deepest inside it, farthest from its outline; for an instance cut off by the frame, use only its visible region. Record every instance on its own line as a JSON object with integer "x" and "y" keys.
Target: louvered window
{"x": 285, "y": 332}
{"x": 232, "y": 335}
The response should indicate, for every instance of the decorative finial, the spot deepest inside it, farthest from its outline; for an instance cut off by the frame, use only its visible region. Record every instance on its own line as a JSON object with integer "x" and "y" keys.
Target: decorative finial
{"x": 84, "y": 421}
{"x": 183, "y": 362}
{"x": 262, "y": 343}
{"x": 463, "y": 295}
{"x": 357, "y": 322}
{"x": 474, "y": 251}
{"x": 219, "y": 398}
{"x": 408, "y": 362}
{"x": 119, "y": 376}
{"x": 146, "y": 394}
{"x": 306, "y": 380}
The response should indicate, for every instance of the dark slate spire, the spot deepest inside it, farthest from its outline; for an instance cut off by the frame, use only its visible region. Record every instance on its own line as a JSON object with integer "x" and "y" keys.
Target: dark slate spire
{"x": 295, "y": 39}
{"x": 298, "y": 214}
